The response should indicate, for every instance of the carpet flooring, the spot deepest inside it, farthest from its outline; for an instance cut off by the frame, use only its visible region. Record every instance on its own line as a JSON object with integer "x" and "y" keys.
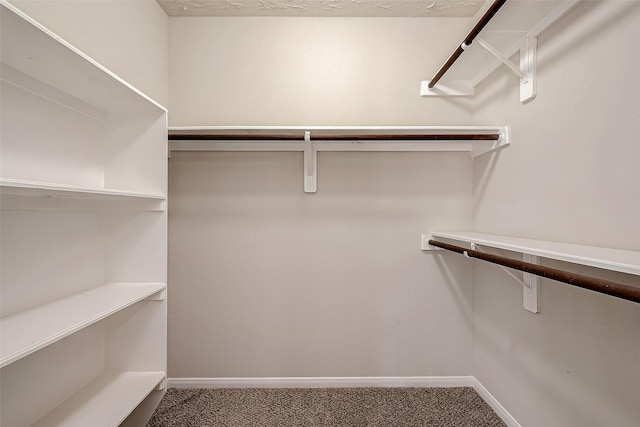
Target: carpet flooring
{"x": 445, "y": 407}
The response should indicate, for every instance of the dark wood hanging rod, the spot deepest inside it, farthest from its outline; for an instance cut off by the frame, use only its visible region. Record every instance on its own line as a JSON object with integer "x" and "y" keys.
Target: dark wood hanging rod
{"x": 619, "y": 290}
{"x": 334, "y": 137}
{"x": 493, "y": 9}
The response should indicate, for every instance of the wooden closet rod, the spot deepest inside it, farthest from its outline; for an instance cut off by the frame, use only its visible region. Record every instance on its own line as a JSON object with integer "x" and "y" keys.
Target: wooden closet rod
{"x": 619, "y": 290}
{"x": 335, "y": 137}
{"x": 497, "y": 4}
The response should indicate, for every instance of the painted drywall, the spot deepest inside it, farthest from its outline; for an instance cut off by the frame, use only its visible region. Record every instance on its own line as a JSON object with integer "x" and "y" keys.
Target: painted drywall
{"x": 310, "y": 71}
{"x": 571, "y": 175}
{"x": 267, "y": 281}
{"x": 128, "y": 37}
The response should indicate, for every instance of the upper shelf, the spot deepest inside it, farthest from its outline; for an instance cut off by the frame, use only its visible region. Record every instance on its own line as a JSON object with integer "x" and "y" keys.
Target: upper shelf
{"x": 45, "y": 57}
{"x": 608, "y": 259}
{"x": 504, "y": 32}
{"x": 514, "y": 28}
{"x": 16, "y": 187}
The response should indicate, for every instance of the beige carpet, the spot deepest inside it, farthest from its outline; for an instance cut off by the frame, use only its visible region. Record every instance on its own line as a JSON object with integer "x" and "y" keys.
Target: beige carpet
{"x": 446, "y": 407}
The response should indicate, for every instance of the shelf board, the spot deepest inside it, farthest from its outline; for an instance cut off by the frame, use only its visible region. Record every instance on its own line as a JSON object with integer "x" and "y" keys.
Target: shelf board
{"x": 63, "y": 191}
{"x": 28, "y": 331}
{"x": 108, "y": 400}
{"x": 504, "y": 31}
{"x": 32, "y": 49}
{"x": 605, "y": 258}
{"x": 475, "y": 139}
{"x": 318, "y": 131}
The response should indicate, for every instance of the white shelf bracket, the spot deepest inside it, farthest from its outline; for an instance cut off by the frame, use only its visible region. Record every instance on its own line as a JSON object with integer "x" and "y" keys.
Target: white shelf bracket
{"x": 495, "y": 52}
{"x": 162, "y": 384}
{"x": 530, "y": 290}
{"x": 158, "y": 296}
{"x": 527, "y": 69}
{"x": 529, "y": 64}
{"x": 310, "y": 164}
{"x": 529, "y": 282}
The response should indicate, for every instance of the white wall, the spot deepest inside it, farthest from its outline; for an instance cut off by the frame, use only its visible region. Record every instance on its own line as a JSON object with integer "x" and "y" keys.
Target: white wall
{"x": 129, "y": 37}
{"x": 571, "y": 175}
{"x": 309, "y": 71}
{"x": 266, "y": 280}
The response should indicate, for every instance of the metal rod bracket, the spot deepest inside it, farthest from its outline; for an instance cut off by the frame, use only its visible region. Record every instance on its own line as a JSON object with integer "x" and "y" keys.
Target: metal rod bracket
{"x": 527, "y": 68}
{"x": 506, "y": 61}
{"x": 524, "y": 284}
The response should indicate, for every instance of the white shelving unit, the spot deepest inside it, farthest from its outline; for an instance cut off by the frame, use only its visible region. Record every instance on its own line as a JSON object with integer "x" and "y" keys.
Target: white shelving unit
{"x": 124, "y": 391}
{"x": 603, "y": 258}
{"x": 31, "y": 330}
{"x": 615, "y": 260}
{"x": 312, "y": 139}
{"x": 45, "y": 189}
{"x": 83, "y": 183}
{"x": 514, "y": 29}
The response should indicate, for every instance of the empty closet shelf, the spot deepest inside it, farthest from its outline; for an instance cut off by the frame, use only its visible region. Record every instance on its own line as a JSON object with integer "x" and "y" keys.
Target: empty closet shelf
{"x": 108, "y": 400}
{"x": 45, "y": 189}
{"x": 28, "y": 331}
{"x": 620, "y": 260}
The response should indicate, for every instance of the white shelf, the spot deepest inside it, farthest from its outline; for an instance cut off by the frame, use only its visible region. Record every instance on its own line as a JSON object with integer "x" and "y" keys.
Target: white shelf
{"x": 319, "y": 138}
{"x": 504, "y": 32}
{"x": 107, "y": 401}
{"x": 84, "y": 155}
{"x": 32, "y": 49}
{"x": 316, "y": 134}
{"x": 312, "y": 139}
{"x": 44, "y": 189}
{"x": 31, "y": 330}
{"x": 608, "y": 259}
{"x": 295, "y": 130}
{"x": 514, "y": 28}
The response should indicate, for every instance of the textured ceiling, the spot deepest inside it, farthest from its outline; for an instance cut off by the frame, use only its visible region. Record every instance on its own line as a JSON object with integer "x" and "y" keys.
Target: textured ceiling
{"x": 353, "y": 8}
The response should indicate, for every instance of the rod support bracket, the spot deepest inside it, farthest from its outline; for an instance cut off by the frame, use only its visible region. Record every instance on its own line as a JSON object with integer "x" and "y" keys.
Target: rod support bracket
{"x": 529, "y": 282}
{"x": 527, "y": 68}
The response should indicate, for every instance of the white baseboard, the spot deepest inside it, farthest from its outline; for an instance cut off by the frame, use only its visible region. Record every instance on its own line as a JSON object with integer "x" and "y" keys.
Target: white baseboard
{"x": 321, "y": 382}
{"x": 504, "y": 415}
{"x": 342, "y": 382}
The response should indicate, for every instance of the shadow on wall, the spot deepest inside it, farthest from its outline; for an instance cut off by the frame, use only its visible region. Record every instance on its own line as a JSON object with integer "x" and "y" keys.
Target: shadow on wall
{"x": 544, "y": 350}
{"x": 455, "y": 286}
{"x": 487, "y": 165}
{"x": 583, "y": 24}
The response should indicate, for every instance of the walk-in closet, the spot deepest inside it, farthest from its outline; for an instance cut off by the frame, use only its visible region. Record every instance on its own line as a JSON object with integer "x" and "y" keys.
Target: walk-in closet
{"x": 319, "y": 213}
